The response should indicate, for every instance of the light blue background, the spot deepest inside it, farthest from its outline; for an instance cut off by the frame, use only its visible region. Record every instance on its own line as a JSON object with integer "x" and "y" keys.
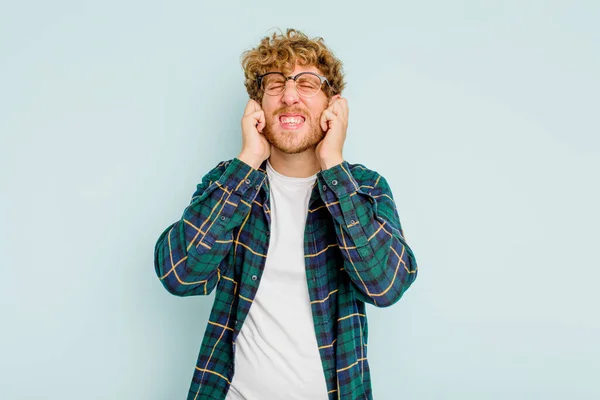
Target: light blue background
{"x": 483, "y": 116}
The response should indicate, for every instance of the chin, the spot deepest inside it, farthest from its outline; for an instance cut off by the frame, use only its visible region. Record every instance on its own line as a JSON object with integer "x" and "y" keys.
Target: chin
{"x": 294, "y": 141}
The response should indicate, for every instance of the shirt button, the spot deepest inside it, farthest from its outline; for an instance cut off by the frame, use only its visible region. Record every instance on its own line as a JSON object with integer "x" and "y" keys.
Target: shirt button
{"x": 324, "y": 188}
{"x": 247, "y": 181}
{"x": 223, "y": 218}
{"x": 352, "y": 222}
{"x": 254, "y": 277}
{"x": 257, "y": 187}
{"x": 334, "y": 182}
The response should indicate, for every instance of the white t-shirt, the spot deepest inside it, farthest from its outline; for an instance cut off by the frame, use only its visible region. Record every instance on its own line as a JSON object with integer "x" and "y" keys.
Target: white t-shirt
{"x": 277, "y": 355}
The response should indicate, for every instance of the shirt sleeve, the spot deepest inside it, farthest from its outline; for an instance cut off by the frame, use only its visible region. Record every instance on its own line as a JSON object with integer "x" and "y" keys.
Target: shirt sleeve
{"x": 188, "y": 253}
{"x": 377, "y": 258}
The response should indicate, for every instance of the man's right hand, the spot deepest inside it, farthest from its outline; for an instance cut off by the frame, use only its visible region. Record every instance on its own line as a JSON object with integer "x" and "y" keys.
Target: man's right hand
{"x": 255, "y": 147}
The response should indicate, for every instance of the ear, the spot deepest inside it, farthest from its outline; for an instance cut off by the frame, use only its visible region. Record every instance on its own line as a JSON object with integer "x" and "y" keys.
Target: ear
{"x": 334, "y": 98}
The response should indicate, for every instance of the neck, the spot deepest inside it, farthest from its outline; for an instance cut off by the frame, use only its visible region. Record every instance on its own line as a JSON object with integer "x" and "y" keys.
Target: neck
{"x": 301, "y": 165}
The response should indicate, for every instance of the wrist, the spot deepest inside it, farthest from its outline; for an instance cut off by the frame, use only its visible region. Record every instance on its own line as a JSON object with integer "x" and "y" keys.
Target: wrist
{"x": 332, "y": 162}
{"x": 251, "y": 160}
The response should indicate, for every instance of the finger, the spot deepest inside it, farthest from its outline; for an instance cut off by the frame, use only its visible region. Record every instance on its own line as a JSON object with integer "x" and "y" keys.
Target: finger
{"x": 261, "y": 121}
{"x": 253, "y": 118}
{"x": 256, "y": 116}
{"x": 251, "y": 107}
{"x": 345, "y": 107}
{"x": 341, "y": 105}
{"x": 325, "y": 118}
{"x": 335, "y": 108}
{"x": 323, "y": 121}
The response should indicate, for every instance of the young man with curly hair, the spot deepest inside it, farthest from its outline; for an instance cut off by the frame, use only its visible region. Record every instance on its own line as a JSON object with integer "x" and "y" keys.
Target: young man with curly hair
{"x": 294, "y": 239}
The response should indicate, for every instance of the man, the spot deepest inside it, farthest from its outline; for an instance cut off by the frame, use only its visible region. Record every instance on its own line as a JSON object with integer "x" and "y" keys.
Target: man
{"x": 295, "y": 239}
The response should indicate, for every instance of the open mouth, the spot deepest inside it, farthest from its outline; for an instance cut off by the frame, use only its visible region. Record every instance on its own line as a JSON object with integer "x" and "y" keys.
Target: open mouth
{"x": 291, "y": 121}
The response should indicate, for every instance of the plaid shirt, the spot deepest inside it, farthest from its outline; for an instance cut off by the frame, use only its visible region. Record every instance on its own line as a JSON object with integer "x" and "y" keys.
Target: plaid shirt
{"x": 354, "y": 252}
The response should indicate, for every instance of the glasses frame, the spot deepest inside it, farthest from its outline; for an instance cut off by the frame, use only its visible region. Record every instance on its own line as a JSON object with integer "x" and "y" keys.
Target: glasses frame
{"x": 259, "y": 79}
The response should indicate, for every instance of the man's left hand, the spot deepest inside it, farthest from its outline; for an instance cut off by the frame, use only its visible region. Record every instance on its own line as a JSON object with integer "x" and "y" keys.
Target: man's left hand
{"x": 334, "y": 122}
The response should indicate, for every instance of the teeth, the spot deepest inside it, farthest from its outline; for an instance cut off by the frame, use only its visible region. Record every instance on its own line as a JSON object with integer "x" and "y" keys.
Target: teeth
{"x": 289, "y": 120}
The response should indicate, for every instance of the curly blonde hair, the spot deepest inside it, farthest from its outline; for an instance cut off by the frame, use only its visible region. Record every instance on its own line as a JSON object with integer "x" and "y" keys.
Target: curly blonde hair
{"x": 282, "y": 52}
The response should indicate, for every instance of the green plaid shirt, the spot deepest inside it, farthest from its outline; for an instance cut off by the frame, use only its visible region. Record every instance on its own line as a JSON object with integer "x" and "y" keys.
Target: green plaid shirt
{"x": 354, "y": 249}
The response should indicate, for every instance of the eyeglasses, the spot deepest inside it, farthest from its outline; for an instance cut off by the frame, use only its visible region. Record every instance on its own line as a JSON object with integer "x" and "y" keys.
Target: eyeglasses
{"x": 308, "y": 84}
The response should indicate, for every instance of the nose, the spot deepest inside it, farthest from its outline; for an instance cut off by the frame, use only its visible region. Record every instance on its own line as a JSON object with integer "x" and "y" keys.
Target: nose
{"x": 290, "y": 94}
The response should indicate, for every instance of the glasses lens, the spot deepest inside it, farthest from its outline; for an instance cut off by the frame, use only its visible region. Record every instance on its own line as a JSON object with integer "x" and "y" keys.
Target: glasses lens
{"x": 308, "y": 84}
{"x": 273, "y": 84}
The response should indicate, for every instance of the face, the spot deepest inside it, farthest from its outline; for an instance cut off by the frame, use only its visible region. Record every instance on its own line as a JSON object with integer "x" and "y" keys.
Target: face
{"x": 292, "y": 121}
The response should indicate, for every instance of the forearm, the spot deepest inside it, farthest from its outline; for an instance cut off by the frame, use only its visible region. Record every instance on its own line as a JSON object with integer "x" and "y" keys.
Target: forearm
{"x": 376, "y": 256}
{"x": 189, "y": 252}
